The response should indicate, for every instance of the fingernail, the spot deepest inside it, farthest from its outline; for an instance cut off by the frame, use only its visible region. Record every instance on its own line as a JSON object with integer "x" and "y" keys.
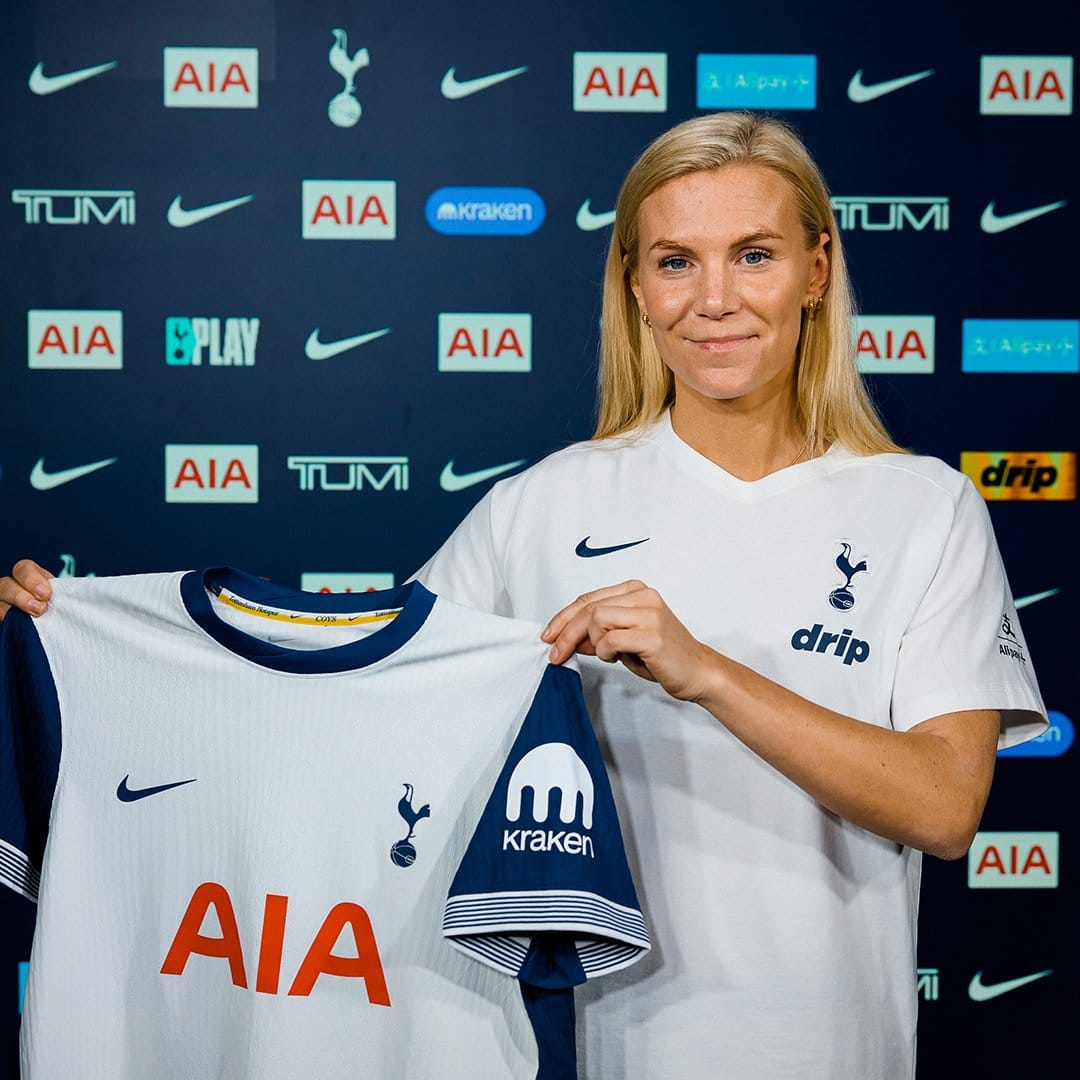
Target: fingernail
{"x": 554, "y": 653}
{"x": 42, "y": 592}
{"x": 36, "y": 607}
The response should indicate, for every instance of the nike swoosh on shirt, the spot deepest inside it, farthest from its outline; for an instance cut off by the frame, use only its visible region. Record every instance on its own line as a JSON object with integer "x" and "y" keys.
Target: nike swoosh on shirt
{"x": 860, "y": 92}
{"x": 451, "y": 481}
{"x": 41, "y": 84}
{"x": 1034, "y": 598}
{"x": 453, "y": 89}
{"x": 41, "y": 480}
{"x": 314, "y": 349}
{"x": 583, "y": 550}
{"x": 991, "y": 222}
{"x": 179, "y": 218}
{"x": 126, "y": 794}
{"x": 587, "y": 221}
{"x": 977, "y": 991}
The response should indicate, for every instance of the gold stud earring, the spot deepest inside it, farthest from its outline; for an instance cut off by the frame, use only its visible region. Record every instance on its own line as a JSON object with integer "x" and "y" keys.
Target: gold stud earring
{"x": 813, "y": 306}
{"x": 645, "y": 319}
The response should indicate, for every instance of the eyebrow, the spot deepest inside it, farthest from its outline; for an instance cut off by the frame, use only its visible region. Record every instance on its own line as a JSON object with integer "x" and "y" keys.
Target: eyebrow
{"x": 758, "y": 237}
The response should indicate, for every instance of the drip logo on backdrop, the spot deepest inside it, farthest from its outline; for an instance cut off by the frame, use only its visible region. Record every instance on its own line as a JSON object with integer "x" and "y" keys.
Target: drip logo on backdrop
{"x": 66, "y": 340}
{"x": 1021, "y": 474}
{"x": 891, "y": 213}
{"x": 225, "y": 342}
{"x": 485, "y": 211}
{"x": 1023, "y": 345}
{"x": 620, "y": 82}
{"x": 211, "y": 473}
{"x": 211, "y": 78}
{"x": 349, "y": 210}
{"x": 485, "y": 342}
{"x": 344, "y": 110}
{"x": 62, "y": 206}
{"x": 1026, "y": 86}
{"x": 756, "y": 81}
{"x": 895, "y": 344}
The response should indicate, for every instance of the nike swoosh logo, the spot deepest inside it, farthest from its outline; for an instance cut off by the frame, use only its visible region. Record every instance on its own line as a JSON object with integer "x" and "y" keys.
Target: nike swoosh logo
{"x": 179, "y": 218}
{"x": 990, "y": 222}
{"x": 977, "y": 991}
{"x": 40, "y": 480}
{"x": 126, "y": 794}
{"x": 587, "y": 221}
{"x": 1034, "y": 598}
{"x": 583, "y": 550}
{"x": 451, "y": 481}
{"x": 40, "y": 83}
{"x": 860, "y": 92}
{"x": 454, "y": 90}
{"x": 314, "y": 349}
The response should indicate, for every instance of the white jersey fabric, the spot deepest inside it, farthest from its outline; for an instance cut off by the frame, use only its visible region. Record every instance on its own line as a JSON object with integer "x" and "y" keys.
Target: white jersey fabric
{"x": 784, "y": 937}
{"x": 242, "y": 810}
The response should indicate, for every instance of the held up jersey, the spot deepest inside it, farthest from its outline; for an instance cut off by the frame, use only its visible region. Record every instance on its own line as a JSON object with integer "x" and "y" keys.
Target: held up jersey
{"x": 282, "y": 835}
{"x": 870, "y": 585}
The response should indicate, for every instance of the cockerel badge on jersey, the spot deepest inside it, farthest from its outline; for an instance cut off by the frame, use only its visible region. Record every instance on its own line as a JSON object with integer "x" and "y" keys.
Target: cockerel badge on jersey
{"x": 842, "y": 597}
{"x": 403, "y": 853}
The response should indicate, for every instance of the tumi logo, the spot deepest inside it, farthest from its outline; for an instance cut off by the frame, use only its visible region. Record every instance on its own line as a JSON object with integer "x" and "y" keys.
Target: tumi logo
{"x": 756, "y": 81}
{"x": 67, "y": 340}
{"x": 1021, "y": 474}
{"x": 895, "y": 344}
{"x": 1013, "y": 860}
{"x": 1024, "y": 345}
{"x": 485, "y": 342}
{"x": 225, "y": 342}
{"x": 211, "y": 78}
{"x": 349, "y": 210}
{"x": 891, "y": 213}
{"x": 337, "y": 582}
{"x": 61, "y": 206}
{"x": 320, "y": 472}
{"x": 620, "y": 82}
{"x": 211, "y": 473}
{"x": 1026, "y": 86}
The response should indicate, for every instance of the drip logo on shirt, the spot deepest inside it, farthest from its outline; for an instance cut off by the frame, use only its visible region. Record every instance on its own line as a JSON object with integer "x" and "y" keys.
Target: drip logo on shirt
{"x": 841, "y": 597}
{"x": 403, "y": 853}
{"x": 543, "y": 771}
{"x": 344, "y": 110}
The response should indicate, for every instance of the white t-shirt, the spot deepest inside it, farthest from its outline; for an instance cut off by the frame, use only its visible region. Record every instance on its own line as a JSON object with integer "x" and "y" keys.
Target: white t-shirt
{"x": 784, "y": 936}
{"x": 241, "y": 811}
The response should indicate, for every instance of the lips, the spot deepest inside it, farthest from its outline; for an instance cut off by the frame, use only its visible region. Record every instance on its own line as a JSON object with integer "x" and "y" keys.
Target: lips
{"x": 722, "y": 344}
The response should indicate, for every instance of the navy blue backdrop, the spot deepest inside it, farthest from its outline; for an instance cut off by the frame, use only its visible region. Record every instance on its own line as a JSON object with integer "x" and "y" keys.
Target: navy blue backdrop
{"x": 287, "y": 285}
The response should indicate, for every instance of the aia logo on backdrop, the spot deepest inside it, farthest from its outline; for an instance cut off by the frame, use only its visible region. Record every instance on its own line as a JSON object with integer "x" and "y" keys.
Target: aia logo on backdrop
{"x": 485, "y": 342}
{"x": 1013, "y": 860}
{"x": 211, "y": 473}
{"x": 1021, "y": 474}
{"x": 338, "y": 582}
{"x": 192, "y": 340}
{"x": 349, "y": 210}
{"x": 895, "y": 344}
{"x": 211, "y": 78}
{"x": 1026, "y": 86}
{"x": 620, "y": 82}
{"x": 66, "y": 340}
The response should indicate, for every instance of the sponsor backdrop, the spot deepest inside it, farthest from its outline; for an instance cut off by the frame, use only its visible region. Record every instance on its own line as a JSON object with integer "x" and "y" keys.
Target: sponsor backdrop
{"x": 289, "y": 285}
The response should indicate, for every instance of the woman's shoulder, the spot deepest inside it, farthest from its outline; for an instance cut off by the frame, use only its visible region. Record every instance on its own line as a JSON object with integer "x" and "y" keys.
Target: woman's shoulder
{"x": 919, "y": 470}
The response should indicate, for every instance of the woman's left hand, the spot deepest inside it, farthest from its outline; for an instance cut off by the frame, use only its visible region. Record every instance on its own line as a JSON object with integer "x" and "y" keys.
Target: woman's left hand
{"x": 630, "y": 623}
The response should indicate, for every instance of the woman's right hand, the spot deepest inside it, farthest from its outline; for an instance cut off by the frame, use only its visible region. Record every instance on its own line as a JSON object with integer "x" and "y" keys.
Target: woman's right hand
{"x": 28, "y": 588}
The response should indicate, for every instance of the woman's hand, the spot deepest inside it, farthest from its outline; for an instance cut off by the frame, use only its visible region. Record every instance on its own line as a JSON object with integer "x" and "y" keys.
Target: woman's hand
{"x": 28, "y": 588}
{"x": 630, "y": 623}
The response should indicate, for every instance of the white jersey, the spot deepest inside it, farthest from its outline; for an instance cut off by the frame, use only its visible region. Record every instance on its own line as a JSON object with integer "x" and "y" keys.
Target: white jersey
{"x": 785, "y": 936}
{"x": 257, "y": 823}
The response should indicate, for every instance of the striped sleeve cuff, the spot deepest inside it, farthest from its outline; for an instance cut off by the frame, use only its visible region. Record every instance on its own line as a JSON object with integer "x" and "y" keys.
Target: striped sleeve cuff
{"x": 17, "y": 872}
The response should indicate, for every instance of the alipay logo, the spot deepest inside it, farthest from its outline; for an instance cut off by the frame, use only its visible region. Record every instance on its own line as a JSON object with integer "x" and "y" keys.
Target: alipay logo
{"x": 1024, "y": 345}
{"x": 1053, "y": 742}
{"x": 756, "y": 81}
{"x": 544, "y": 770}
{"x": 485, "y": 211}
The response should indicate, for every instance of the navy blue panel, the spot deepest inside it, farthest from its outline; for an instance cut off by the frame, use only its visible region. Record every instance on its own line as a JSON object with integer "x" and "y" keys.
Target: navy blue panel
{"x": 551, "y": 1013}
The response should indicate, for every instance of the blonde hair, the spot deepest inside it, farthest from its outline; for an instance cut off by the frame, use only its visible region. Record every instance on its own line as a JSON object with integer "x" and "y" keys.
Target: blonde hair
{"x": 636, "y": 386}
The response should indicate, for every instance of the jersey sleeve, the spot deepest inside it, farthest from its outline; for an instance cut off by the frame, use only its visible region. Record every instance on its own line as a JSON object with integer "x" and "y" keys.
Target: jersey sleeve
{"x": 963, "y": 648}
{"x": 544, "y": 891}
{"x": 29, "y": 753}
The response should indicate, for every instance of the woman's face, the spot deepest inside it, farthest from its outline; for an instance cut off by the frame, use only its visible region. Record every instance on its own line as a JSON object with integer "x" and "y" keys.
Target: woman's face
{"x": 724, "y": 274}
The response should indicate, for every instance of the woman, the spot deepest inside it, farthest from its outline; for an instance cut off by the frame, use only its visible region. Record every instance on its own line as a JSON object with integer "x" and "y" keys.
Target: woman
{"x": 828, "y": 701}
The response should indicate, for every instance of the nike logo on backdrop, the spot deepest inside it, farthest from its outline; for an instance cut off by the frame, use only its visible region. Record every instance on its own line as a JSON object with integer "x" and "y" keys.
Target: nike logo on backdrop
{"x": 583, "y": 550}
{"x": 41, "y": 84}
{"x": 977, "y": 991}
{"x": 314, "y": 349}
{"x": 179, "y": 218}
{"x": 451, "y": 481}
{"x": 587, "y": 221}
{"x": 1034, "y": 598}
{"x": 453, "y": 89}
{"x": 41, "y": 480}
{"x": 991, "y": 222}
{"x": 126, "y": 794}
{"x": 860, "y": 92}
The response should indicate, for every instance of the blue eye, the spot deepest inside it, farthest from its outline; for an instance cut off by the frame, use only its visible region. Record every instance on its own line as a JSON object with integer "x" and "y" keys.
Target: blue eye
{"x": 755, "y": 258}
{"x": 674, "y": 262}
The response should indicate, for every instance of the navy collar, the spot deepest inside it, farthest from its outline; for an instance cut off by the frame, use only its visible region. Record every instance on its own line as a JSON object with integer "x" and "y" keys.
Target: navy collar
{"x": 413, "y": 599}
